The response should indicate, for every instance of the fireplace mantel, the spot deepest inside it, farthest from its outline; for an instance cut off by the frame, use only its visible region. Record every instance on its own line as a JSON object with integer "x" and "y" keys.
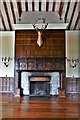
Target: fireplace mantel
{"x": 39, "y": 78}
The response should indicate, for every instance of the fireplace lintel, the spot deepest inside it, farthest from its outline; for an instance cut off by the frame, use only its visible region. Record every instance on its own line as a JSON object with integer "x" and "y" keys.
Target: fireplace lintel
{"x": 39, "y": 78}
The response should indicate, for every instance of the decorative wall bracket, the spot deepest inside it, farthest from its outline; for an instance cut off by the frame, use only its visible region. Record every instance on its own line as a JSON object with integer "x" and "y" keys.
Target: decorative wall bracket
{"x": 6, "y": 60}
{"x": 73, "y": 62}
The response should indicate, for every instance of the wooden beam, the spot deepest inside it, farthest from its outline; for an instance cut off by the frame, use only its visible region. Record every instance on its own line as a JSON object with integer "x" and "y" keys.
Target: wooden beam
{"x": 19, "y": 7}
{"x": 12, "y": 8}
{"x": 39, "y": 5}
{"x": 33, "y": 6}
{"x": 68, "y": 5}
{"x": 61, "y": 8}
{"x": 2, "y": 21}
{"x": 53, "y": 8}
{"x": 77, "y": 20}
{"x": 72, "y": 15}
{"x": 47, "y": 6}
{"x": 26, "y": 6}
{"x": 6, "y": 11}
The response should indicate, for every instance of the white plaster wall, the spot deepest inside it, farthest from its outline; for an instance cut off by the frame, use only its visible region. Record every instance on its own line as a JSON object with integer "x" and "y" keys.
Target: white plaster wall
{"x": 72, "y": 51}
{"x": 7, "y": 47}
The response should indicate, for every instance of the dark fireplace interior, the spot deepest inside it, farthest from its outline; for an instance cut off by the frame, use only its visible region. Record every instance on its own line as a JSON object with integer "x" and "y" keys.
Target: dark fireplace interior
{"x": 40, "y": 86}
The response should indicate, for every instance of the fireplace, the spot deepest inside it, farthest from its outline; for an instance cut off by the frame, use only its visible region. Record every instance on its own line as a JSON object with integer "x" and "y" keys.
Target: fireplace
{"x": 39, "y": 85}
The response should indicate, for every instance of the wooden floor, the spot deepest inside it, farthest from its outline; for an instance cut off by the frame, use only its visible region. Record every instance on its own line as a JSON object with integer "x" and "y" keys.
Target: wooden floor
{"x": 39, "y": 108}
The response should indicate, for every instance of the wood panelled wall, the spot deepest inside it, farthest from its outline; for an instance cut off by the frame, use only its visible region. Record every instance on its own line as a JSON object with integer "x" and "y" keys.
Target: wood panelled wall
{"x": 72, "y": 87}
{"x": 30, "y": 57}
{"x": 53, "y": 46}
{"x": 7, "y": 84}
{"x": 40, "y": 64}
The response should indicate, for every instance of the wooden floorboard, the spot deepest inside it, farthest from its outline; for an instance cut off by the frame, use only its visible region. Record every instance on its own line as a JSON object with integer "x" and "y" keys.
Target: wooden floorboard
{"x": 39, "y": 108}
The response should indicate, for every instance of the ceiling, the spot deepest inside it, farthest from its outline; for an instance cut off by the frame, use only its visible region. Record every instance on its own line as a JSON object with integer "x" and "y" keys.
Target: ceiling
{"x": 11, "y": 10}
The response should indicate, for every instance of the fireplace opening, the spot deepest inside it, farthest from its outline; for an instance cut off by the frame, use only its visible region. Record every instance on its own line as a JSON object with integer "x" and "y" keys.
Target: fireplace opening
{"x": 39, "y": 86}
